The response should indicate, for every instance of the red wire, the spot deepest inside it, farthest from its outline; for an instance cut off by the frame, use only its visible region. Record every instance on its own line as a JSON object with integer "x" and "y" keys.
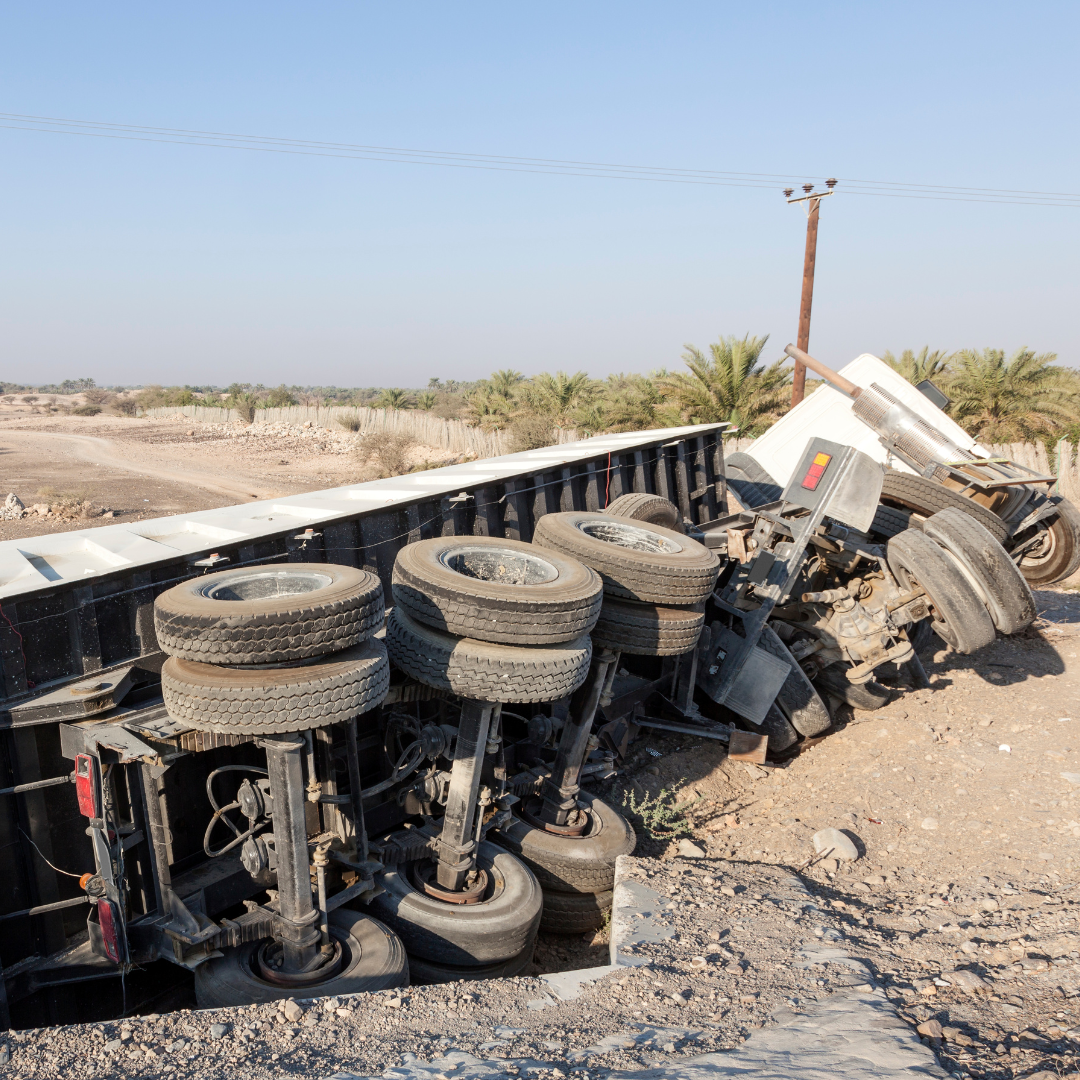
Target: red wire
{"x": 607, "y": 488}
{"x": 3, "y": 614}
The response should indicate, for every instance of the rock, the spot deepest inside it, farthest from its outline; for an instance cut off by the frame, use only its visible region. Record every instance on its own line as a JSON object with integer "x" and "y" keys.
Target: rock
{"x": 698, "y": 963}
{"x": 931, "y": 1029}
{"x": 754, "y": 772}
{"x": 113, "y": 1045}
{"x": 292, "y": 1011}
{"x": 929, "y": 823}
{"x": 988, "y": 903}
{"x": 970, "y": 947}
{"x": 5, "y": 1054}
{"x": 830, "y": 866}
{"x": 1034, "y": 963}
{"x": 689, "y": 850}
{"x": 835, "y": 843}
{"x": 1072, "y": 777}
{"x": 218, "y": 1031}
{"x": 726, "y": 890}
{"x": 392, "y": 1002}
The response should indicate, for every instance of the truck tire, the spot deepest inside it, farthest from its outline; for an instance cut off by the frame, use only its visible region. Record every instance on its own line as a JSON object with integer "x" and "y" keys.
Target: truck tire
{"x": 499, "y": 927}
{"x": 960, "y": 618}
{"x": 798, "y": 700}
{"x": 269, "y": 614}
{"x": 867, "y": 697}
{"x": 504, "y": 591}
{"x": 260, "y": 701}
{"x": 428, "y": 973}
{"x": 751, "y": 483}
{"x": 484, "y": 670}
{"x": 1058, "y": 557}
{"x": 572, "y": 864}
{"x": 654, "y": 509}
{"x": 890, "y": 520}
{"x": 926, "y": 497}
{"x": 636, "y": 560}
{"x": 574, "y": 913}
{"x": 374, "y": 960}
{"x": 987, "y": 567}
{"x": 647, "y": 629}
{"x": 782, "y": 736}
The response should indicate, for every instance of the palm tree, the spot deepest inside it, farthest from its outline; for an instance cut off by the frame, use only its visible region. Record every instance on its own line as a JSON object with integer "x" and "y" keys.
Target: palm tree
{"x": 916, "y": 368}
{"x": 1024, "y": 398}
{"x": 426, "y": 400}
{"x": 730, "y": 385}
{"x": 488, "y": 409}
{"x": 392, "y": 399}
{"x": 631, "y": 402}
{"x": 503, "y": 382}
{"x": 558, "y": 396}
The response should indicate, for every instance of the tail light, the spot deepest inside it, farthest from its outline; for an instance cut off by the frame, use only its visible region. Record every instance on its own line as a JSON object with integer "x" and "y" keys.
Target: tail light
{"x": 85, "y": 788}
{"x": 816, "y": 471}
{"x": 109, "y": 921}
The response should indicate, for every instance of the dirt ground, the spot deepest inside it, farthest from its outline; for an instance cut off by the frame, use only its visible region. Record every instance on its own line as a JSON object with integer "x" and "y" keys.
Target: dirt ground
{"x": 962, "y": 800}
{"x": 131, "y": 469}
{"x": 964, "y": 804}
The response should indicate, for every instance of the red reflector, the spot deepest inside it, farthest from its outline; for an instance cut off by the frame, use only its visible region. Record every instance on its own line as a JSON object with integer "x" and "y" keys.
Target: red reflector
{"x": 107, "y": 920}
{"x": 816, "y": 471}
{"x": 84, "y": 786}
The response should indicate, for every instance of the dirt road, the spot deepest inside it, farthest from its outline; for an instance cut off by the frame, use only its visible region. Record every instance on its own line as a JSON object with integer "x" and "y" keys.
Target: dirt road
{"x": 108, "y": 453}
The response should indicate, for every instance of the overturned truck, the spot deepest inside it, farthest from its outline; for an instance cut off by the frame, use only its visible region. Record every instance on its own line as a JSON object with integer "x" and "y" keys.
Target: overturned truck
{"x": 336, "y": 742}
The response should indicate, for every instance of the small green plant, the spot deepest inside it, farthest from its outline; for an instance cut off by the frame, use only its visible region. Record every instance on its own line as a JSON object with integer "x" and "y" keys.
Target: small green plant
{"x": 86, "y": 410}
{"x": 660, "y": 816}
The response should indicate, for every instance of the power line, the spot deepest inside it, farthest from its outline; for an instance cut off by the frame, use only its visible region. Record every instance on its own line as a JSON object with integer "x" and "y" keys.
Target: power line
{"x": 507, "y": 163}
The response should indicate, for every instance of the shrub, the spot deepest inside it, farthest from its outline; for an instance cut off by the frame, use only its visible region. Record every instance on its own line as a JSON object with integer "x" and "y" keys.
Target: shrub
{"x": 86, "y": 410}
{"x": 97, "y": 396}
{"x": 126, "y": 407}
{"x": 30, "y": 399}
{"x": 390, "y": 449}
{"x": 531, "y": 432}
{"x": 349, "y": 423}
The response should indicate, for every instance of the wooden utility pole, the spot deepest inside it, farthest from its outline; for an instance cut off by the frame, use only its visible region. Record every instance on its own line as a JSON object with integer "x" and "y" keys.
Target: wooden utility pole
{"x": 798, "y": 381}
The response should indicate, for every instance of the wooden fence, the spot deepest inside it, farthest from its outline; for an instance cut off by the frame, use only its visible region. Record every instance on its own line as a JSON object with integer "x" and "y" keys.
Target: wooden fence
{"x": 455, "y": 435}
{"x": 424, "y": 427}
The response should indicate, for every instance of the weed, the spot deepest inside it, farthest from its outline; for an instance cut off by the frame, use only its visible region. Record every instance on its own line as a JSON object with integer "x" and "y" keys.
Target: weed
{"x": 389, "y": 449}
{"x": 660, "y": 816}
{"x": 531, "y": 432}
{"x": 349, "y": 423}
{"x": 86, "y": 410}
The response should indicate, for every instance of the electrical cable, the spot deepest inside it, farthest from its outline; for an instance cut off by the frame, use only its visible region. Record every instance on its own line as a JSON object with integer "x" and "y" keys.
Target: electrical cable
{"x": 536, "y": 165}
{"x": 66, "y": 873}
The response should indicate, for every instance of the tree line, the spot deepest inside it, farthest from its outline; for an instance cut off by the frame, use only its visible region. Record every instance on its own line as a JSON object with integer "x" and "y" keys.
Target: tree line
{"x": 1024, "y": 397}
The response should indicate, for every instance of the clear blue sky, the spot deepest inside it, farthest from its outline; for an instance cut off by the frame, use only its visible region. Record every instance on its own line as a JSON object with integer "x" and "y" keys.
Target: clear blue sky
{"x": 146, "y": 262}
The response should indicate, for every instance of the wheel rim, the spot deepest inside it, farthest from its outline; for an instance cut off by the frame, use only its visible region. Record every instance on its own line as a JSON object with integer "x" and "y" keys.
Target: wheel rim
{"x": 629, "y": 536}
{"x": 942, "y": 627}
{"x": 265, "y": 584}
{"x": 267, "y": 955}
{"x": 1043, "y": 552}
{"x": 501, "y": 565}
{"x": 581, "y": 820}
